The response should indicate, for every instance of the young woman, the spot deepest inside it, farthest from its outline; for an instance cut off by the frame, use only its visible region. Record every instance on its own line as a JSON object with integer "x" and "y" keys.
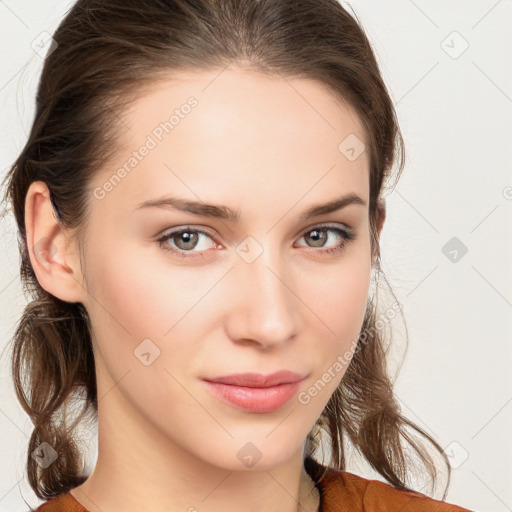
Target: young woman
{"x": 199, "y": 206}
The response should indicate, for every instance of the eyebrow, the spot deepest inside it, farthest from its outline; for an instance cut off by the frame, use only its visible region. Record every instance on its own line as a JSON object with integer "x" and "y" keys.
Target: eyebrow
{"x": 226, "y": 213}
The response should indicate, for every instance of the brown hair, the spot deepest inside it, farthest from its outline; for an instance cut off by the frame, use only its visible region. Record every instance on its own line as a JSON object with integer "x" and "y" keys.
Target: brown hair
{"x": 105, "y": 54}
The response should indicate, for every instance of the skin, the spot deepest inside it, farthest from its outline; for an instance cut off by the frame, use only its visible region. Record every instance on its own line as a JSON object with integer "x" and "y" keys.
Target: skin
{"x": 267, "y": 147}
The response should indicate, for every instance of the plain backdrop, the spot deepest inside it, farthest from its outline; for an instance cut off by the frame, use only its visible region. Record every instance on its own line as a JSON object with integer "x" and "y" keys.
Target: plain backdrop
{"x": 446, "y": 245}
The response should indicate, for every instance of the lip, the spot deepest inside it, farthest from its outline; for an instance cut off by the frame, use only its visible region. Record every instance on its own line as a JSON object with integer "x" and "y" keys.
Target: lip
{"x": 256, "y": 393}
{"x": 257, "y": 380}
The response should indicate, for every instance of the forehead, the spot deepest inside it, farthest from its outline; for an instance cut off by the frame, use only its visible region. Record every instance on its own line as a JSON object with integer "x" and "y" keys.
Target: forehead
{"x": 241, "y": 98}
{"x": 227, "y": 133}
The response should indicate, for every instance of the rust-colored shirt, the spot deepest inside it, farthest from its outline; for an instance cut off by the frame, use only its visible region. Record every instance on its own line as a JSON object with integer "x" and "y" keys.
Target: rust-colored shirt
{"x": 340, "y": 491}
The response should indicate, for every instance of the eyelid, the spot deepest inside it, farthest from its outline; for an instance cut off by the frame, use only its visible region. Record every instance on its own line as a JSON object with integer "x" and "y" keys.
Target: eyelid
{"x": 320, "y": 225}
{"x": 345, "y": 232}
{"x": 184, "y": 227}
{"x": 210, "y": 232}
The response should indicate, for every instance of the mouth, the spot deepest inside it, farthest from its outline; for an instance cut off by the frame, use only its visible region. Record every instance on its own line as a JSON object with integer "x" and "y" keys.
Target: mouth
{"x": 256, "y": 393}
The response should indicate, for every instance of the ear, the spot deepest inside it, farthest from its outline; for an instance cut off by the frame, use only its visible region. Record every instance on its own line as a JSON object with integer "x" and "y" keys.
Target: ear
{"x": 381, "y": 217}
{"x": 53, "y": 255}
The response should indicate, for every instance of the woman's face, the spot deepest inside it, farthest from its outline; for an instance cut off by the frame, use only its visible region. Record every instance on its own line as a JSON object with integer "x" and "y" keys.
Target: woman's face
{"x": 264, "y": 292}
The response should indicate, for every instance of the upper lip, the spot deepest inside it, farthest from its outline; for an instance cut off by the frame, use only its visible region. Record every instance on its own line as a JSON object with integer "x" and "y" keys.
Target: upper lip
{"x": 257, "y": 380}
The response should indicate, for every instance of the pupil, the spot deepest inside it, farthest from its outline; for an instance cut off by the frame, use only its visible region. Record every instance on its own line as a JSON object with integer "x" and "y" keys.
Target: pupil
{"x": 317, "y": 236}
{"x": 188, "y": 239}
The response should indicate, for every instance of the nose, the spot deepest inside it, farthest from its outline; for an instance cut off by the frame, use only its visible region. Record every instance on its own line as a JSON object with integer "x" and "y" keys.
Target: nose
{"x": 263, "y": 306}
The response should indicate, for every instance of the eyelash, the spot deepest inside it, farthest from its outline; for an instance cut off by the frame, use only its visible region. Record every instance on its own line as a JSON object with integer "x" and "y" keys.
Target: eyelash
{"x": 346, "y": 235}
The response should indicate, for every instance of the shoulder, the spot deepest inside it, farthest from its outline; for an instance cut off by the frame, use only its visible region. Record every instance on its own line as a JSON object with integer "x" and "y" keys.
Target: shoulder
{"x": 375, "y": 495}
{"x": 63, "y": 503}
{"x": 344, "y": 491}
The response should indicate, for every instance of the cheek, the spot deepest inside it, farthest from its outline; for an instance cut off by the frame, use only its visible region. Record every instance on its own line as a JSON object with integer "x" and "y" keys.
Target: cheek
{"x": 349, "y": 295}
{"x": 341, "y": 306}
{"x": 139, "y": 320}
{"x": 139, "y": 297}
{"x": 141, "y": 290}
{"x": 338, "y": 295}
{"x": 338, "y": 300}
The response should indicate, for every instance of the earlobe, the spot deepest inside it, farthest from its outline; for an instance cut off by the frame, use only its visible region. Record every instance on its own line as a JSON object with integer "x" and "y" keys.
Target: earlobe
{"x": 51, "y": 253}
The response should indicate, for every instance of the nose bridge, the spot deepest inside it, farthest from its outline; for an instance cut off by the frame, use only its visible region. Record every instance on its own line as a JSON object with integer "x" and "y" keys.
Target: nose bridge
{"x": 264, "y": 298}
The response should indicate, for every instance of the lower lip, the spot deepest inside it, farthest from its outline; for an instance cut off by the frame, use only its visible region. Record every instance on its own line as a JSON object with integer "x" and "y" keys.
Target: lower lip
{"x": 254, "y": 399}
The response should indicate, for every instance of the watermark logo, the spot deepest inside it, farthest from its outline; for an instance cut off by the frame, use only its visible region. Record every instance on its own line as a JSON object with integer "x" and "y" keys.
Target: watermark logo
{"x": 454, "y": 45}
{"x": 147, "y": 352}
{"x": 352, "y": 147}
{"x": 249, "y": 454}
{"x": 249, "y": 249}
{"x": 456, "y": 454}
{"x": 44, "y": 455}
{"x": 44, "y": 44}
{"x": 454, "y": 249}
{"x": 44, "y": 252}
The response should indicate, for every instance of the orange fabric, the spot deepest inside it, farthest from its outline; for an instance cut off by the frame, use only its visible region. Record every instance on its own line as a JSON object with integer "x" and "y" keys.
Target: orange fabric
{"x": 340, "y": 491}
{"x": 346, "y": 492}
{"x": 63, "y": 503}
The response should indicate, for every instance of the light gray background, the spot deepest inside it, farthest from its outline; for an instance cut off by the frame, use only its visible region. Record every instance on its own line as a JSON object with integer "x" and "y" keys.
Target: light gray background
{"x": 454, "y": 108}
